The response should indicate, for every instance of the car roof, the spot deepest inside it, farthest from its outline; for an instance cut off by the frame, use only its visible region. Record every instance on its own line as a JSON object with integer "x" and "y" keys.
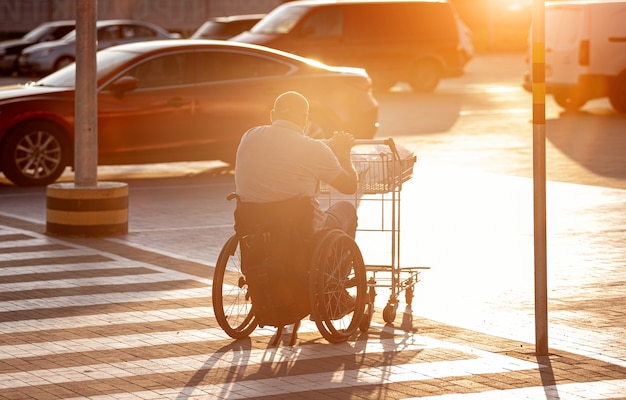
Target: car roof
{"x": 106, "y": 22}
{"x": 173, "y": 44}
{"x": 242, "y": 17}
{"x": 64, "y": 22}
{"x": 329, "y": 2}
{"x": 153, "y": 45}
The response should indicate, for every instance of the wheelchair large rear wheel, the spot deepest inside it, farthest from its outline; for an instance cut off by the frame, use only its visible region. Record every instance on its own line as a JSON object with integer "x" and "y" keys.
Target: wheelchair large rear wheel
{"x": 338, "y": 286}
{"x": 231, "y": 302}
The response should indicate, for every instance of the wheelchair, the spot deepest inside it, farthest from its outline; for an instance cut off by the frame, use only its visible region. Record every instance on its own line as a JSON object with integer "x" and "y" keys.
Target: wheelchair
{"x": 339, "y": 299}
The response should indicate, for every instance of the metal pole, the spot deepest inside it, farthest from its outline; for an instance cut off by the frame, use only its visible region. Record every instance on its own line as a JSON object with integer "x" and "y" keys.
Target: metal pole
{"x": 86, "y": 109}
{"x": 539, "y": 177}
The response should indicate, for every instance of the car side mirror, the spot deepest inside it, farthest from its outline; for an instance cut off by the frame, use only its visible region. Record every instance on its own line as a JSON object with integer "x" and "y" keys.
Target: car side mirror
{"x": 124, "y": 84}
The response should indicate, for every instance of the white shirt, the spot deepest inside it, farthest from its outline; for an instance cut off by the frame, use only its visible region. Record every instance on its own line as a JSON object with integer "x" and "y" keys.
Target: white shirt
{"x": 278, "y": 162}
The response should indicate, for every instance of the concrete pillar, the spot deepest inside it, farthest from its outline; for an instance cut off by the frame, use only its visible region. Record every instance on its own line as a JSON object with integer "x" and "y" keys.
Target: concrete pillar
{"x": 100, "y": 210}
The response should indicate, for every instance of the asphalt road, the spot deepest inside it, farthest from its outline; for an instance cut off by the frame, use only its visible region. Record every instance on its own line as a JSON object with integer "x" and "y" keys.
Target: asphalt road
{"x": 481, "y": 121}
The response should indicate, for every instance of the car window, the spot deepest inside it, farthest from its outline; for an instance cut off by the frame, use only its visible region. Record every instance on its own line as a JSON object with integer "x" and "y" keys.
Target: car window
{"x": 280, "y": 20}
{"x": 109, "y": 33}
{"x": 107, "y": 62}
{"x": 209, "y": 29}
{"x": 219, "y": 29}
{"x": 136, "y": 31}
{"x": 323, "y": 22}
{"x": 422, "y": 21}
{"x": 168, "y": 70}
{"x": 221, "y": 65}
{"x": 59, "y": 32}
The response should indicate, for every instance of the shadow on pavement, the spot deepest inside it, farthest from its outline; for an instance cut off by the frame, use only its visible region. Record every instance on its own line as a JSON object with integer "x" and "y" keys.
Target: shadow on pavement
{"x": 596, "y": 142}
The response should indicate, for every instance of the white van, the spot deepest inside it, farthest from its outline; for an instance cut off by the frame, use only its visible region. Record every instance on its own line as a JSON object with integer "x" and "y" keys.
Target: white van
{"x": 585, "y": 53}
{"x": 416, "y": 41}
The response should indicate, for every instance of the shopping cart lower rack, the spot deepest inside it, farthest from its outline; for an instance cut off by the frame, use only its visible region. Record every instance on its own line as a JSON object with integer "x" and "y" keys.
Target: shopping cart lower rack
{"x": 382, "y": 167}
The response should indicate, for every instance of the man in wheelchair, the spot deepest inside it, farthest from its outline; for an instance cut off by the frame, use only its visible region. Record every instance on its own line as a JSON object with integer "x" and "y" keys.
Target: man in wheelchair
{"x": 278, "y": 171}
{"x": 279, "y": 162}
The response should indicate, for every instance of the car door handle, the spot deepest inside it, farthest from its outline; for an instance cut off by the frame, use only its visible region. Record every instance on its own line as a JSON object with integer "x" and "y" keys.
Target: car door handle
{"x": 177, "y": 102}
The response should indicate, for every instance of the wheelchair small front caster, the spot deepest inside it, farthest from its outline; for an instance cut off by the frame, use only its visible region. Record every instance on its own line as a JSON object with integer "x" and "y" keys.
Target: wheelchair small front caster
{"x": 364, "y": 326}
{"x": 389, "y": 313}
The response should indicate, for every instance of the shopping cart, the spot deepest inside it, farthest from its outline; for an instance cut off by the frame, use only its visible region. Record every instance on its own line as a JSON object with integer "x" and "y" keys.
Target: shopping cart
{"x": 382, "y": 167}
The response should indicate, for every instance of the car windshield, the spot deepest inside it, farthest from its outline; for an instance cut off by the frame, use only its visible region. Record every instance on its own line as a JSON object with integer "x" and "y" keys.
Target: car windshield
{"x": 69, "y": 36}
{"x": 36, "y": 34}
{"x": 210, "y": 28}
{"x": 107, "y": 61}
{"x": 281, "y": 22}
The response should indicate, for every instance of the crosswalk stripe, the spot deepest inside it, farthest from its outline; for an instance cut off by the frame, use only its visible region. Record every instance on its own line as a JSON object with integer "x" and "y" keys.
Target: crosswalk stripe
{"x": 393, "y": 373}
{"x": 87, "y": 282}
{"x": 23, "y": 241}
{"x": 40, "y": 257}
{"x": 99, "y": 299}
{"x": 109, "y": 319}
{"x": 338, "y": 379}
{"x": 47, "y": 268}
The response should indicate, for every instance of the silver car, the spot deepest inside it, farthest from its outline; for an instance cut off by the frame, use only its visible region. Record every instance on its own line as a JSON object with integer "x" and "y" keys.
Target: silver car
{"x": 43, "y": 58}
{"x": 11, "y": 49}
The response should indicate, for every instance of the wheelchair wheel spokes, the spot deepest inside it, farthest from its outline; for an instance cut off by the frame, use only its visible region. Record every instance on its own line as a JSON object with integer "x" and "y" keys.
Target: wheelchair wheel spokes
{"x": 231, "y": 302}
{"x": 237, "y": 308}
{"x": 338, "y": 287}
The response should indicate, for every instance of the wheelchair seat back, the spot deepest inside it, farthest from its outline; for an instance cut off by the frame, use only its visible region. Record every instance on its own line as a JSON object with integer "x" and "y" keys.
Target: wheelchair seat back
{"x": 276, "y": 241}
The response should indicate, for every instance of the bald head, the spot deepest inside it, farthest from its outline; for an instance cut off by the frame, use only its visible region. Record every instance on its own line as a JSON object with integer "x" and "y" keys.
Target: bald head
{"x": 291, "y": 106}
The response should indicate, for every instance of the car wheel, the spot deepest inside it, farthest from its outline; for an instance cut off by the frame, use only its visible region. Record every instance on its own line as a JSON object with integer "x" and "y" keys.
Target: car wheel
{"x": 569, "y": 100}
{"x": 424, "y": 76}
{"x": 63, "y": 62}
{"x": 617, "y": 93}
{"x": 35, "y": 154}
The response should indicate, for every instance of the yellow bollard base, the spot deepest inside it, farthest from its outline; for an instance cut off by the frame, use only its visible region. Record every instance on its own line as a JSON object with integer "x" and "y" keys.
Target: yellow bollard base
{"x": 101, "y": 210}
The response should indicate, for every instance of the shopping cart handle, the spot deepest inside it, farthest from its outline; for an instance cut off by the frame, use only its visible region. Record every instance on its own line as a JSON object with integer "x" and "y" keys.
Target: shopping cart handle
{"x": 358, "y": 142}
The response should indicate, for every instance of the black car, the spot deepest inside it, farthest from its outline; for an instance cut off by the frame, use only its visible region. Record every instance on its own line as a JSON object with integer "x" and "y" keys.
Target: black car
{"x": 10, "y": 50}
{"x": 174, "y": 100}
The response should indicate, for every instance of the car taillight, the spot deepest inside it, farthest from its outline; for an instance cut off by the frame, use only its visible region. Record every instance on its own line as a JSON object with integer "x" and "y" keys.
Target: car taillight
{"x": 583, "y": 53}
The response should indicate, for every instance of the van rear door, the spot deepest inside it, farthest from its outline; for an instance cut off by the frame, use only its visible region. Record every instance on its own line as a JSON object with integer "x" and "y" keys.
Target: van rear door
{"x": 608, "y": 39}
{"x": 564, "y": 39}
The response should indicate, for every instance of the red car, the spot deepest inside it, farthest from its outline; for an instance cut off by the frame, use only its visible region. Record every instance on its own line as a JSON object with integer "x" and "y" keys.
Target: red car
{"x": 174, "y": 100}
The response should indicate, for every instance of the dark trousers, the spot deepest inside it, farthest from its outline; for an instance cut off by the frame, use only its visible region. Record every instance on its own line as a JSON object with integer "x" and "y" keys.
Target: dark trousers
{"x": 342, "y": 215}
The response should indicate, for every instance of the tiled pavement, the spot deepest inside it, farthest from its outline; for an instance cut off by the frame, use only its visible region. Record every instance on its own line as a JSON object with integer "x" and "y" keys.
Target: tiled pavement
{"x": 98, "y": 319}
{"x": 131, "y": 317}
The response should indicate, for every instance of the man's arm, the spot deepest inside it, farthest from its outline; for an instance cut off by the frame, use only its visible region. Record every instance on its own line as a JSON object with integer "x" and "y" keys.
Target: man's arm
{"x": 347, "y": 181}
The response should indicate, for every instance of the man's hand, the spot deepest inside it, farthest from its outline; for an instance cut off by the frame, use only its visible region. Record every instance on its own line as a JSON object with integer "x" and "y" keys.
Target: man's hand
{"x": 341, "y": 143}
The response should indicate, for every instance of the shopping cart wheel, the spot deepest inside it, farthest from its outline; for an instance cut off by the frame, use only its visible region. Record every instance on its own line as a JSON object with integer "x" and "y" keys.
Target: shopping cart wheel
{"x": 338, "y": 286}
{"x": 389, "y": 313}
{"x": 231, "y": 302}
